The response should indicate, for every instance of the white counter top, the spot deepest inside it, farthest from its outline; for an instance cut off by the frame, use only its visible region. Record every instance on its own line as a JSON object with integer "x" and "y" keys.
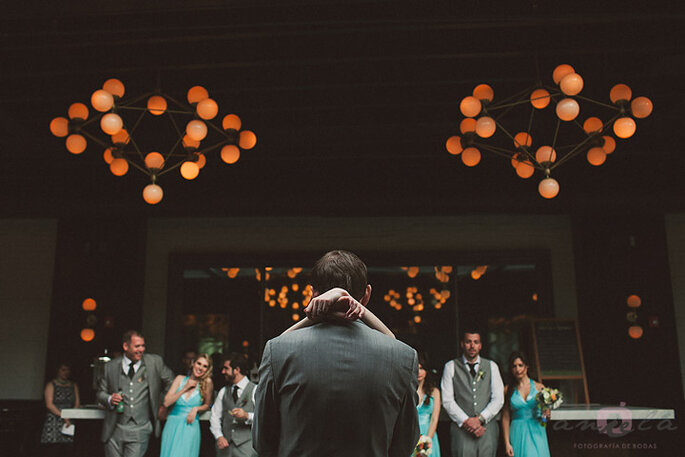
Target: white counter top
{"x": 95, "y": 412}
{"x": 594, "y": 411}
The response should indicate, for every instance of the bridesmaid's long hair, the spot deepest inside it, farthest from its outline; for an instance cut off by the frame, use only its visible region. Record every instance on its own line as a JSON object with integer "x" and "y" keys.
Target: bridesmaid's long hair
{"x": 512, "y": 384}
{"x": 429, "y": 381}
{"x": 202, "y": 381}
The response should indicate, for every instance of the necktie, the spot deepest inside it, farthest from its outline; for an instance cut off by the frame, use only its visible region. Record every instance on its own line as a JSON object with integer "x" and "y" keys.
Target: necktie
{"x": 472, "y": 369}
{"x": 131, "y": 371}
{"x": 234, "y": 394}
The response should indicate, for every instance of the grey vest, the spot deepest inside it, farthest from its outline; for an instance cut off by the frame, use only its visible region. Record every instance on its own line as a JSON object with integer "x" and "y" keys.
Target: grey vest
{"x": 237, "y": 430}
{"x": 136, "y": 398}
{"x": 472, "y": 394}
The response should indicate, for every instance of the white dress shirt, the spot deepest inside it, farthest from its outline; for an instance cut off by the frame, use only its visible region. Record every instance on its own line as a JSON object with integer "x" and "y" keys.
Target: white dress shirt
{"x": 218, "y": 408}
{"x": 449, "y": 403}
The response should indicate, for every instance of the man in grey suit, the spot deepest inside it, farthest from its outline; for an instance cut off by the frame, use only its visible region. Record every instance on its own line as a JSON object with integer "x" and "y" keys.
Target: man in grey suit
{"x": 336, "y": 388}
{"x": 233, "y": 410}
{"x": 130, "y": 391}
{"x": 472, "y": 395}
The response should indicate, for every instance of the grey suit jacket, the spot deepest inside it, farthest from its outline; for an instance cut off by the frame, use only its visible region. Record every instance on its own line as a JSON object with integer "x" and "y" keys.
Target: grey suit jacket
{"x": 159, "y": 378}
{"x": 336, "y": 390}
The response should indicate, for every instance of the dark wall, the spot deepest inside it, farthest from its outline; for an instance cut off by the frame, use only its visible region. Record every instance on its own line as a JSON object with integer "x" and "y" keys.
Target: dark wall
{"x": 616, "y": 256}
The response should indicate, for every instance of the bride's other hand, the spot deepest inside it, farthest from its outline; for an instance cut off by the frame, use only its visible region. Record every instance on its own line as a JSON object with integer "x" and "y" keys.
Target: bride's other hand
{"x": 322, "y": 304}
{"x": 510, "y": 450}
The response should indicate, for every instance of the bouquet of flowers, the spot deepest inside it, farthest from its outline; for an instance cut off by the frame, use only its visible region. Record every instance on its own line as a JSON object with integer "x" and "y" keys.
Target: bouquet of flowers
{"x": 423, "y": 447}
{"x": 548, "y": 399}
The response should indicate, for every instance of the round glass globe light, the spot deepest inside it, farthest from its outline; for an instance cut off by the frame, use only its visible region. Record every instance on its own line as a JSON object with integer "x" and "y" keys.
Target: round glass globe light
{"x": 190, "y": 170}
{"x": 119, "y": 167}
{"x": 107, "y": 156}
{"x": 634, "y": 301}
{"x": 207, "y": 109}
{"x": 89, "y": 304}
{"x": 114, "y": 87}
{"x": 201, "y": 160}
{"x": 470, "y": 106}
{"x": 641, "y": 107}
{"x": 196, "y": 94}
{"x": 571, "y": 84}
{"x": 522, "y": 139}
{"x": 609, "y": 144}
{"x": 247, "y": 139}
{"x": 548, "y": 188}
{"x": 189, "y": 143}
{"x": 156, "y": 105}
{"x": 470, "y": 156}
{"x": 485, "y": 127}
{"x": 624, "y": 127}
{"x": 87, "y": 334}
{"x": 592, "y": 125}
{"x": 453, "y": 145}
{"x": 121, "y": 137}
{"x": 467, "y": 125}
{"x": 635, "y": 332}
{"x": 596, "y": 156}
{"x": 560, "y": 71}
{"x": 230, "y": 154}
{"x": 620, "y": 92}
{"x": 153, "y": 194}
{"x": 111, "y": 123}
{"x": 76, "y": 143}
{"x": 525, "y": 169}
{"x": 59, "y": 127}
{"x": 78, "y": 111}
{"x": 516, "y": 159}
{"x": 154, "y": 160}
{"x": 231, "y": 122}
{"x": 568, "y": 109}
{"x": 546, "y": 154}
{"x": 102, "y": 100}
{"x": 540, "y": 98}
{"x": 196, "y": 130}
{"x": 484, "y": 92}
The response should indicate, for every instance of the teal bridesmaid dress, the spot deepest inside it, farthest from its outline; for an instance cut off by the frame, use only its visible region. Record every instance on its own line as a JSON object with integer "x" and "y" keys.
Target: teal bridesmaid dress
{"x": 424, "y": 422}
{"x": 179, "y": 438}
{"x": 528, "y": 437}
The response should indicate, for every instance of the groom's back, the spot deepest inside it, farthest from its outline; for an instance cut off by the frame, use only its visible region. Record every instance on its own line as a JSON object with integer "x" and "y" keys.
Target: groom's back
{"x": 342, "y": 390}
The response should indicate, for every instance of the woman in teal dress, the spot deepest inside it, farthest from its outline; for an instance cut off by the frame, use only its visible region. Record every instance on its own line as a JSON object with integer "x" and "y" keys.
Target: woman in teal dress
{"x": 428, "y": 407}
{"x": 190, "y": 395}
{"x": 524, "y": 435}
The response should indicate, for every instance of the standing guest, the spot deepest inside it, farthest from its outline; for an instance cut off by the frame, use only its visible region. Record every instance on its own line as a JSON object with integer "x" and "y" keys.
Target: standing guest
{"x": 60, "y": 393}
{"x": 524, "y": 436}
{"x": 189, "y": 356}
{"x": 472, "y": 395}
{"x": 233, "y": 411}
{"x": 130, "y": 391}
{"x": 429, "y": 406}
{"x": 189, "y": 396}
{"x": 337, "y": 388}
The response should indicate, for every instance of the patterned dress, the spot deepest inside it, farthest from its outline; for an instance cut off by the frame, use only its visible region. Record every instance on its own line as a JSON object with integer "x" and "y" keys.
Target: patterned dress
{"x": 63, "y": 397}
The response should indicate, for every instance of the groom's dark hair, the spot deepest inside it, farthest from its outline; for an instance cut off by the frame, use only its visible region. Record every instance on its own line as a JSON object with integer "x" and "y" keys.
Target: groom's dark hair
{"x": 340, "y": 269}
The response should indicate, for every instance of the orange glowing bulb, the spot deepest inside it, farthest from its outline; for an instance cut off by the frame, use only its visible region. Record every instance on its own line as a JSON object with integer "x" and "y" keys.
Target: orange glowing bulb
{"x": 453, "y": 145}
{"x": 156, "y": 105}
{"x": 196, "y": 94}
{"x": 571, "y": 84}
{"x": 522, "y": 139}
{"x": 592, "y": 125}
{"x": 641, "y": 107}
{"x": 190, "y": 170}
{"x": 561, "y": 71}
{"x": 620, "y": 92}
{"x": 470, "y": 106}
{"x": 484, "y": 92}
{"x": 196, "y": 130}
{"x": 525, "y": 169}
{"x": 207, "y": 109}
{"x": 609, "y": 144}
{"x": 467, "y": 125}
{"x": 87, "y": 334}
{"x": 231, "y": 122}
{"x": 89, "y": 304}
{"x": 485, "y": 127}
{"x": 247, "y": 139}
{"x": 59, "y": 127}
{"x": 107, "y": 155}
{"x": 540, "y": 98}
{"x": 121, "y": 137}
{"x": 567, "y": 109}
{"x": 596, "y": 156}
{"x": 470, "y": 156}
{"x": 230, "y": 154}
{"x": 624, "y": 127}
{"x": 78, "y": 111}
{"x": 102, "y": 100}
{"x": 76, "y": 143}
{"x": 154, "y": 161}
{"x": 548, "y": 188}
{"x": 119, "y": 167}
{"x": 546, "y": 154}
{"x": 114, "y": 87}
{"x": 153, "y": 194}
{"x": 111, "y": 123}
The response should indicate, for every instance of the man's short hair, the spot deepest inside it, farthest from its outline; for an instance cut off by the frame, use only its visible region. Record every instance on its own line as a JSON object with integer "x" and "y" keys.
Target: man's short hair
{"x": 471, "y": 330}
{"x": 237, "y": 360}
{"x": 340, "y": 269}
{"x": 126, "y": 337}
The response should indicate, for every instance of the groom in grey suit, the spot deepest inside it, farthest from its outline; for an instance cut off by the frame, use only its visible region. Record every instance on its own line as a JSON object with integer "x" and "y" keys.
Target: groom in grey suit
{"x": 130, "y": 391}
{"x": 336, "y": 388}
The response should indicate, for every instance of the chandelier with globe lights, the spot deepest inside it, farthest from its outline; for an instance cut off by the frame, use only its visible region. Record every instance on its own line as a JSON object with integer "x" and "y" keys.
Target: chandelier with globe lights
{"x": 185, "y": 140}
{"x": 530, "y": 147}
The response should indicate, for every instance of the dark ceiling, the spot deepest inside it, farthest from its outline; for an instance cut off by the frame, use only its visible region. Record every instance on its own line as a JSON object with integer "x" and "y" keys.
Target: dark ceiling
{"x": 351, "y": 101}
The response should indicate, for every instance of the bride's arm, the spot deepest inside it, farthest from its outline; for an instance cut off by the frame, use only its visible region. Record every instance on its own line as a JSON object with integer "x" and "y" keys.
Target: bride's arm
{"x": 375, "y": 323}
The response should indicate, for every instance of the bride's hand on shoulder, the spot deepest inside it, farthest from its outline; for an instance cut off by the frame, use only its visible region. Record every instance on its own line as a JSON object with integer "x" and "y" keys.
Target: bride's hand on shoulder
{"x": 321, "y": 305}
